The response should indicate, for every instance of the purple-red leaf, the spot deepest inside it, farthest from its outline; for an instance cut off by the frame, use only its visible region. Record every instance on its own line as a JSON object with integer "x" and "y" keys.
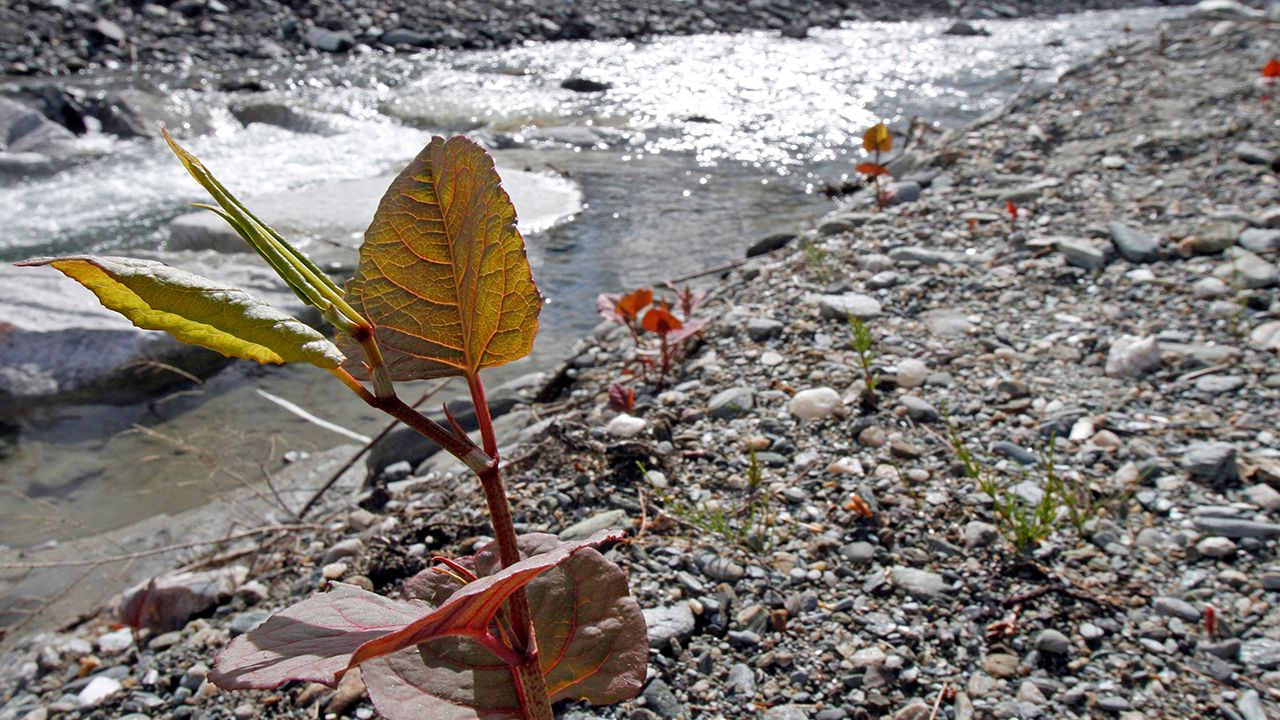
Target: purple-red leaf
{"x": 312, "y": 640}
{"x": 591, "y": 635}
{"x": 660, "y": 320}
{"x": 321, "y": 637}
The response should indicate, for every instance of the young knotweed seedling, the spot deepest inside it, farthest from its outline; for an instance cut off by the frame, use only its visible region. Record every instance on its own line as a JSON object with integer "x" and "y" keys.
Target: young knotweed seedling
{"x": 529, "y": 619}
{"x": 876, "y": 140}
{"x": 863, "y": 344}
{"x": 630, "y": 310}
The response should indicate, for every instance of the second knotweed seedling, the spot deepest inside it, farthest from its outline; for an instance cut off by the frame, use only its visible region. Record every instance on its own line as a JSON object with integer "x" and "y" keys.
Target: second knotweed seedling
{"x": 442, "y": 289}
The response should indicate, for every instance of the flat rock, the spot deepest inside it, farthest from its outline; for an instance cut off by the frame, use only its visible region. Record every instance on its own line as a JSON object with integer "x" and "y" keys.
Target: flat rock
{"x": 178, "y": 597}
{"x": 842, "y": 307}
{"x": 1246, "y": 270}
{"x": 1236, "y": 527}
{"x": 1133, "y": 244}
{"x": 1133, "y": 357}
{"x": 946, "y": 323}
{"x": 1083, "y": 253}
{"x": 584, "y": 529}
{"x": 731, "y": 403}
{"x": 1260, "y": 240}
{"x": 1266, "y": 336}
{"x": 1260, "y": 653}
{"x": 672, "y": 622}
{"x": 919, "y": 583}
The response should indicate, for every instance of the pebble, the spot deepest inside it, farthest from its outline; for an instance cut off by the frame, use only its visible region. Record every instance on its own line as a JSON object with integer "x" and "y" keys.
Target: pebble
{"x": 923, "y": 584}
{"x": 625, "y": 426}
{"x": 1000, "y": 665}
{"x": 116, "y": 641}
{"x": 1176, "y": 607}
{"x": 1053, "y": 642}
{"x": 842, "y": 307}
{"x": 671, "y": 622}
{"x": 99, "y": 689}
{"x": 815, "y": 403}
{"x": 912, "y": 373}
{"x": 1133, "y": 357}
{"x": 605, "y": 520}
{"x": 731, "y": 403}
{"x": 919, "y": 410}
{"x": 979, "y": 534}
{"x": 1236, "y": 527}
{"x": 1218, "y": 548}
{"x": 1261, "y": 653}
{"x": 334, "y": 571}
{"x": 1213, "y": 463}
{"x": 1133, "y": 244}
{"x": 761, "y": 329}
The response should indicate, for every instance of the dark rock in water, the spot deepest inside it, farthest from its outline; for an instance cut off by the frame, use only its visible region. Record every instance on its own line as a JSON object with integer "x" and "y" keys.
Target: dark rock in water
{"x": 406, "y": 37}
{"x": 796, "y": 31}
{"x": 963, "y": 29}
{"x": 329, "y": 40}
{"x": 280, "y": 115}
{"x": 770, "y": 243}
{"x": 1133, "y": 244}
{"x": 23, "y": 130}
{"x": 232, "y": 85}
{"x": 61, "y": 106}
{"x": 137, "y": 113}
{"x": 583, "y": 85}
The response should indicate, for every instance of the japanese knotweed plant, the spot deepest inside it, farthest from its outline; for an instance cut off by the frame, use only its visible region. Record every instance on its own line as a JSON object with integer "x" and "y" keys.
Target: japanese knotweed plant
{"x": 876, "y": 140}
{"x": 443, "y": 288}
{"x": 673, "y": 333}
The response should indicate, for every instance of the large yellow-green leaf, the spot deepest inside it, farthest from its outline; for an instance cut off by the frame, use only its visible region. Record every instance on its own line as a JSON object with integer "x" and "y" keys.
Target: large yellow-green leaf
{"x": 443, "y": 274}
{"x": 197, "y": 310}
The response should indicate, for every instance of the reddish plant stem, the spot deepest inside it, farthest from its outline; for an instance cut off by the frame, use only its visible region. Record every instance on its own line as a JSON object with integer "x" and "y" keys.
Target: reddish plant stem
{"x": 530, "y": 682}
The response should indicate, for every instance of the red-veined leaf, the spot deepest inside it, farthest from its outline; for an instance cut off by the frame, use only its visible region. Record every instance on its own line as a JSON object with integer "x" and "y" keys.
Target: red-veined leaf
{"x": 321, "y": 637}
{"x": 443, "y": 273}
{"x": 1271, "y": 69}
{"x": 872, "y": 169}
{"x": 630, "y": 305}
{"x": 591, "y": 637}
{"x": 660, "y": 320}
{"x": 877, "y": 139}
{"x": 621, "y": 397}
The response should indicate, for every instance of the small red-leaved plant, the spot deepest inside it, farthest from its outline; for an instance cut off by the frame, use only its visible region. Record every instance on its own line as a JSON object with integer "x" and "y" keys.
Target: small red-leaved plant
{"x": 1270, "y": 74}
{"x": 442, "y": 289}
{"x": 876, "y": 140}
{"x": 640, "y": 314}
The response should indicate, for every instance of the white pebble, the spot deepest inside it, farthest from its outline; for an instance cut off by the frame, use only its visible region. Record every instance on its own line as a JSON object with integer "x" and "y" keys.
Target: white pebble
{"x": 912, "y": 373}
{"x": 625, "y": 425}
{"x": 116, "y": 642}
{"x": 333, "y": 571}
{"x": 98, "y": 689}
{"x": 814, "y": 403}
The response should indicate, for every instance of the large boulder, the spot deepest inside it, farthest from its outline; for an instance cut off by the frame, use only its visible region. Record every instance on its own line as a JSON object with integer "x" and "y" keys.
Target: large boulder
{"x": 25, "y": 130}
{"x": 141, "y": 114}
{"x": 59, "y": 344}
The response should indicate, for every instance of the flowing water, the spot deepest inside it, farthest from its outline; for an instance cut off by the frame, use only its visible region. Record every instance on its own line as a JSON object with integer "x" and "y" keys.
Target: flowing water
{"x": 703, "y": 144}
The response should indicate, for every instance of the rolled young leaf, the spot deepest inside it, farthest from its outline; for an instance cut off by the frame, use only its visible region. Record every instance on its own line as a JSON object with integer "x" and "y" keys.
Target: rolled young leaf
{"x": 443, "y": 274}
{"x": 196, "y": 310}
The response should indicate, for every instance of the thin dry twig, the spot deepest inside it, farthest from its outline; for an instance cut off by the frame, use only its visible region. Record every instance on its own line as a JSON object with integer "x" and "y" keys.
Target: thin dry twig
{"x": 938, "y": 703}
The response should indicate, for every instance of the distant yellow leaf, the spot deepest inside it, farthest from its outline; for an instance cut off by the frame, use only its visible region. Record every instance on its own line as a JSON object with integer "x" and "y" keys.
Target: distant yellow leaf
{"x": 443, "y": 274}
{"x": 197, "y": 310}
{"x": 877, "y": 139}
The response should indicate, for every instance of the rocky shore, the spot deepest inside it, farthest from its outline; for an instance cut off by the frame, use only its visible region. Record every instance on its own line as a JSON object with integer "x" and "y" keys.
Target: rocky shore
{"x": 1060, "y": 499}
{"x": 57, "y": 38}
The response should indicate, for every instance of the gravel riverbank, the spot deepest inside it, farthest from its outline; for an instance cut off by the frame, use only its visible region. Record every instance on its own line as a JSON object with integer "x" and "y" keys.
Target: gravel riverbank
{"x": 1114, "y": 347}
{"x": 59, "y": 38}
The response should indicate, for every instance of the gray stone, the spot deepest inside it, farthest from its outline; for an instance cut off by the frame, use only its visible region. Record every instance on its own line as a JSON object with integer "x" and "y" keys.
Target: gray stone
{"x": 919, "y": 583}
{"x": 785, "y": 712}
{"x": 350, "y": 547}
{"x": 979, "y": 534}
{"x": 600, "y": 521}
{"x": 668, "y": 623}
{"x": 1053, "y": 642}
{"x": 406, "y": 37}
{"x": 659, "y": 699}
{"x": 1250, "y": 705}
{"x": 1113, "y": 703}
{"x": 884, "y": 280}
{"x": 24, "y": 130}
{"x": 280, "y": 114}
{"x": 109, "y": 31}
{"x": 1266, "y": 336}
{"x": 761, "y": 329}
{"x": 1246, "y": 270}
{"x": 769, "y": 243}
{"x": 720, "y": 568}
{"x": 742, "y": 680}
{"x": 946, "y": 322}
{"x": 1085, "y": 254}
{"x": 1260, "y": 240}
{"x": 1176, "y": 607}
{"x": 1133, "y": 357}
{"x": 585, "y": 85}
{"x": 858, "y": 552}
{"x": 731, "y": 403}
{"x": 1261, "y": 653}
{"x": 903, "y": 191}
{"x": 1236, "y": 527}
{"x": 842, "y": 307}
{"x": 961, "y": 28}
{"x": 1133, "y": 244}
{"x": 920, "y": 410}
{"x": 136, "y": 113}
{"x": 1213, "y": 463}
{"x": 176, "y": 598}
{"x": 1216, "y": 547}
{"x": 924, "y": 256}
{"x": 1219, "y": 384}
{"x": 1252, "y": 154}
{"x": 1015, "y": 452}
{"x": 243, "y": 622}
{"x": 1264, "y": 496}
{"x": 330, "y": 40}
